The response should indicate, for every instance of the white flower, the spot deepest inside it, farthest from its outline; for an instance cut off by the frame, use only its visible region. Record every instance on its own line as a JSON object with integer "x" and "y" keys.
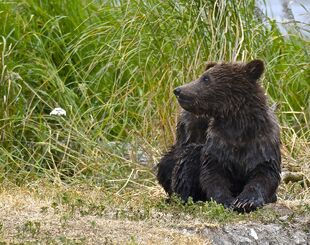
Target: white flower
{"x": 58, "y": 112}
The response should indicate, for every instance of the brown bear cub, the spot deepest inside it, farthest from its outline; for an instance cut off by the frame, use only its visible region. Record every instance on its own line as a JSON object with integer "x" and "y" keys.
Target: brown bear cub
{"x": 228, "y": 140}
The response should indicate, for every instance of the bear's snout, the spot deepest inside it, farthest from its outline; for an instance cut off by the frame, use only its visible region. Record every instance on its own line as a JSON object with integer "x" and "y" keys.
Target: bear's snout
{"x": 177, "y": 91}
{"x": 183, "y": 95}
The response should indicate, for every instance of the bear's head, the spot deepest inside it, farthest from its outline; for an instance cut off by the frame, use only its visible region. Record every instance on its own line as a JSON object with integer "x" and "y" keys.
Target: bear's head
{"x": 224, "y": 89}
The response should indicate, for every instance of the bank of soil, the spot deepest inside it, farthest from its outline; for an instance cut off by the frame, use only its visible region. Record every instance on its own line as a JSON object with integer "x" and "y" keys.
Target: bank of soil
{"x": 25, "y": 218}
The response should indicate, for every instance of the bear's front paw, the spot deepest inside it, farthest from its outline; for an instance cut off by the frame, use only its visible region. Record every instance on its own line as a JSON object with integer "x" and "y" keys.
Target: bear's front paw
{"x": 247, "y": 203}
{"x": 225, "y": 201}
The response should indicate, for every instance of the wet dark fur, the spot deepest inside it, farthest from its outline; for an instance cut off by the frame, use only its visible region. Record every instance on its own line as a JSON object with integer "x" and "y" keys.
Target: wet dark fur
{"x": 228, "y": 144}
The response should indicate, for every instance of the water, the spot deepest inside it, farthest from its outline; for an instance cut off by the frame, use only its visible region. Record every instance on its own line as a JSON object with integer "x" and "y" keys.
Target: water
{"x": 292, "y": 16}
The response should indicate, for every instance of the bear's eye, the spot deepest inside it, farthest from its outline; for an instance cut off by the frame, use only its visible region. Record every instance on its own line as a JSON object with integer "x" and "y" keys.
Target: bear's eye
{"x": 205, "y": 79}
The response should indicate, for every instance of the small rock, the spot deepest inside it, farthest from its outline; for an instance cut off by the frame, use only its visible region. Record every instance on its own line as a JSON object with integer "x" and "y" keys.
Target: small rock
{"x": 283, "y": 218}
{"x": 300, "y": 238}
{"x": 253, "y": 234}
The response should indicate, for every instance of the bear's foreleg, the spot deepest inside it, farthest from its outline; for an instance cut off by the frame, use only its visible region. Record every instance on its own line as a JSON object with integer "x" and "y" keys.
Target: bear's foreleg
{"x": 215, "y": 184}
{"x": 260, "y": 188}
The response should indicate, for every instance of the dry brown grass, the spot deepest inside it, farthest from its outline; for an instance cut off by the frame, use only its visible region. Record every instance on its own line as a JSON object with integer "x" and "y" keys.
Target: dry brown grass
{"x": 58, "y": 214}
{"x": 29, "y": 216}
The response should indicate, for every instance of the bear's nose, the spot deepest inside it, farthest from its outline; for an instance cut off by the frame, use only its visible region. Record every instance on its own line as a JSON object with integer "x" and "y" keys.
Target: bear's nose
{"x": 177, "y": 91}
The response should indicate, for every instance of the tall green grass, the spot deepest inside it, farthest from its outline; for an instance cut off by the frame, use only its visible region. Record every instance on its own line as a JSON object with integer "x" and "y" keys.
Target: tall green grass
{"x": 112, "y": 65}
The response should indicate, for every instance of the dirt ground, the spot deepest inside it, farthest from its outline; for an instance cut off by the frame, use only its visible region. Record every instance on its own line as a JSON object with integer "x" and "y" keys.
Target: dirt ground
{"x": 31, "y": 219}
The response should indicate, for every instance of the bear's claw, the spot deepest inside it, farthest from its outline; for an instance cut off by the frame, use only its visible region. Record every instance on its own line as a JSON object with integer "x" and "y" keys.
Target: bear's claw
{"x": 246, "y": 205}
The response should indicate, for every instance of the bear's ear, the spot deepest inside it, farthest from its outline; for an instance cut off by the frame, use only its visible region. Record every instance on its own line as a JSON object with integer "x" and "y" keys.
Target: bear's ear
{"x": 254, "y": 69}
{"x": 209, "y": 65}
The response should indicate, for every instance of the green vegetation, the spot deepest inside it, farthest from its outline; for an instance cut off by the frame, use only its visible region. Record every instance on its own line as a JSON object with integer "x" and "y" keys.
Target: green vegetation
{"x": 112, "y": 65}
